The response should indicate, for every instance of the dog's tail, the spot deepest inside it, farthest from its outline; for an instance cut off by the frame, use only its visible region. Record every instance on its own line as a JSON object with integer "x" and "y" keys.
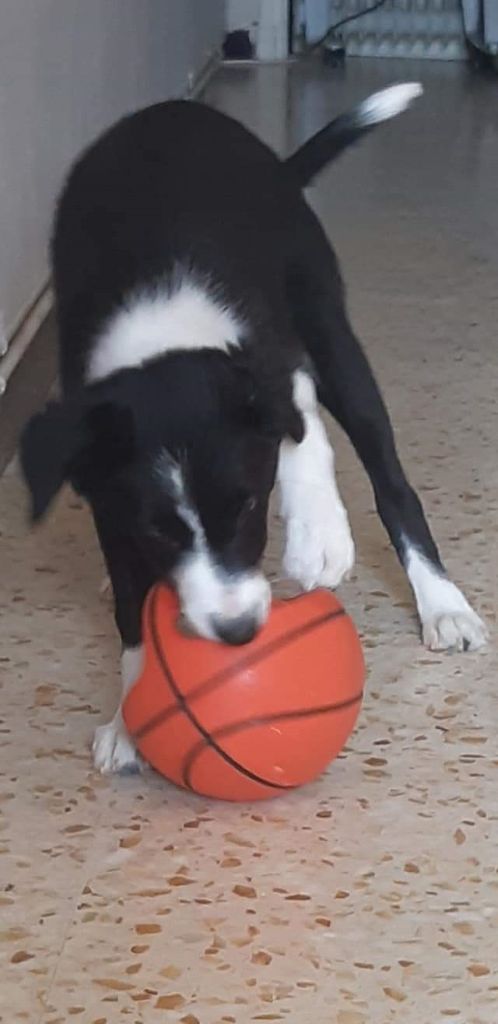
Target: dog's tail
{"x": 327, "y": 144}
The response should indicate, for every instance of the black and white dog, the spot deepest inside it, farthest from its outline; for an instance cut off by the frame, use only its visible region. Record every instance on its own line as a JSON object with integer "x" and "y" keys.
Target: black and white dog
{"x": 202, "y": 319}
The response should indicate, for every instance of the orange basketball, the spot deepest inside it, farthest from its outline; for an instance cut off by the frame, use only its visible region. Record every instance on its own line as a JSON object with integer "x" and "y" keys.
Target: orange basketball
{"x": 247, "y": 723}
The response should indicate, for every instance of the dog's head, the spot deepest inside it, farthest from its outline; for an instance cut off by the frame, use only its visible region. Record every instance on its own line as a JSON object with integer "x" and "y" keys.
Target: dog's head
{"x": 179, "y": 457}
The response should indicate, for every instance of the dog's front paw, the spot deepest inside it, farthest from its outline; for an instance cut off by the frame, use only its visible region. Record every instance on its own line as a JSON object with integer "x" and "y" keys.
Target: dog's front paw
{"x": 454, "y": 631}
{"x": 318, "y": 553}
{"x": 113, "y": 750}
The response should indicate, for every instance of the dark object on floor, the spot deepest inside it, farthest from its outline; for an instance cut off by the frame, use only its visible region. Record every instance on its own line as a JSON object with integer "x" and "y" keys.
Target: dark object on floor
{"x": 334, "y": 54}
{"x": 237, "y": 46}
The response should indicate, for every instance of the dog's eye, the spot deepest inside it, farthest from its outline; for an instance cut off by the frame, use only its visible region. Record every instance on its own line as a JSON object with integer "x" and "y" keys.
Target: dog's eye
{"x": 170, "y": 531}
{"x": 238, "y": 504}
{"x": 247, "y": 505}
{"x": 167, "y": 540}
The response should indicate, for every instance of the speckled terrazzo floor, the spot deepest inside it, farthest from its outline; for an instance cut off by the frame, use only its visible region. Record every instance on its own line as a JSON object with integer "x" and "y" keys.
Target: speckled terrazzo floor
{"x": 372, "y": 896}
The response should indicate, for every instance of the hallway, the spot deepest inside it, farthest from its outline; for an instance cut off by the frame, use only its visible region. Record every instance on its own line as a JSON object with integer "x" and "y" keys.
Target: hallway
{"x": 372, "y": 895}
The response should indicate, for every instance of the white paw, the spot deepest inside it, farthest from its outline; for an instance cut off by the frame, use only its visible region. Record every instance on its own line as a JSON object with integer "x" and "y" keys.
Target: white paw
{"x": 448, "y": 621}
{"x": 113, "y": 750}
{"x": 457, "y": 631}
{"x": 318, "y": 553}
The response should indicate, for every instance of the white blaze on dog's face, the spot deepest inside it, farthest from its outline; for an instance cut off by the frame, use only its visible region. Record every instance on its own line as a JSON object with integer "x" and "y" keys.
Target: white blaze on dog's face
{"x": 218, "y": 605}
{"x": 223, "y": 594}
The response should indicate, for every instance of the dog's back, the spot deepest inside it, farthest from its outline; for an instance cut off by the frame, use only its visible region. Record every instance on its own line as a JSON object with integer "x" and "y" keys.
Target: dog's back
{"x": 177, "y": 189}
{"x": 178, "y": 192}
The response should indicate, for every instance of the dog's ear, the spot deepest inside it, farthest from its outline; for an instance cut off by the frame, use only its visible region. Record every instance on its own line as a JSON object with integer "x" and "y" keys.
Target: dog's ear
{"x": 48, "y": 443}
{"x": 73, "y": 441}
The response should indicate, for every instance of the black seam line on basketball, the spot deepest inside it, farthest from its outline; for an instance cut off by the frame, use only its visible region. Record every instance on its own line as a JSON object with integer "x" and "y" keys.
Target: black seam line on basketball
{"x": 277, "y": 716}
{"x": 250, "y": 659}
{"x": 182, "y": 701}
{"x": 185, "y": 708}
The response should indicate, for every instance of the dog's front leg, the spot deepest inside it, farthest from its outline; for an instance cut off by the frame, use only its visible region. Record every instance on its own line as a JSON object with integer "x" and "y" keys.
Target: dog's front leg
{"x": 319, "y": 548}
{"x": 113, "y": 749}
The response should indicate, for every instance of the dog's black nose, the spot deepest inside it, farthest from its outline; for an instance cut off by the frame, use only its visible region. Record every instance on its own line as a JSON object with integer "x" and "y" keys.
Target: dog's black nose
{"x": 236, "y": 631}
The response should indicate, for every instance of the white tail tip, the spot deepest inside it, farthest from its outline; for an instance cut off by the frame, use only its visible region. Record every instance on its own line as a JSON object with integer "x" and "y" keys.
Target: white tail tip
{"x": 388, "y": 102}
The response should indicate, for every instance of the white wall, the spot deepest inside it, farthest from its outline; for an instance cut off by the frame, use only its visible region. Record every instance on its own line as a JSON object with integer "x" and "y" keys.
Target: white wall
{"x": 243, "y": 14}
{"x": 68, "y": 68}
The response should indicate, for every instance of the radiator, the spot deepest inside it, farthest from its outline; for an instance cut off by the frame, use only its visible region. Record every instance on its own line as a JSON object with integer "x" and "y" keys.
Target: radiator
{"x": 401, "y": 28}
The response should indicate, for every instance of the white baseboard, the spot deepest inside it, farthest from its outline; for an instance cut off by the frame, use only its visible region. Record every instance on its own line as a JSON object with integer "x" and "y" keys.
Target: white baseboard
{"x": 204, "y": 75}
{"x": 24, "y": 335}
